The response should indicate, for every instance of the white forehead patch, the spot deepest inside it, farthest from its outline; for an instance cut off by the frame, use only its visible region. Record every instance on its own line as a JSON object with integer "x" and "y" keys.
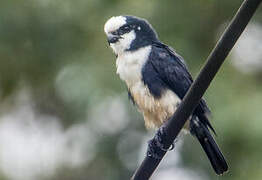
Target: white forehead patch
{"x": 114, "y": 23}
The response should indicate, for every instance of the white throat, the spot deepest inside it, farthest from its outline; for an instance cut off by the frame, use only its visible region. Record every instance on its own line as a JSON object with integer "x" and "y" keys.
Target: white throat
{"x": 130, "y": 63}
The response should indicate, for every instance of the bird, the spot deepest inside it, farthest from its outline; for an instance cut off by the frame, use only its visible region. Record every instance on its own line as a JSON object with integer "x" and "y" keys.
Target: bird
{"x": 157, "y": 79}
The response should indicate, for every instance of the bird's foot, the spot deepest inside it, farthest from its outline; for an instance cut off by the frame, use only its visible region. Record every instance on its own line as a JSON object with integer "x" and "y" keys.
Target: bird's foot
{"x": 157, "y": 146}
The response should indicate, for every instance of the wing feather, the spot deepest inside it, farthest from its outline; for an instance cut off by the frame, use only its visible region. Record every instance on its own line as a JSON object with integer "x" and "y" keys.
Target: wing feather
{"x": 173, "y": 71}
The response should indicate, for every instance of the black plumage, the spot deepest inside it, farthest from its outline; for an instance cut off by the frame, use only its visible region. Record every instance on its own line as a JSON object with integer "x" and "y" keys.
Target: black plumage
{"x": 149, "y": 76}
{"x": 166, "y": 70}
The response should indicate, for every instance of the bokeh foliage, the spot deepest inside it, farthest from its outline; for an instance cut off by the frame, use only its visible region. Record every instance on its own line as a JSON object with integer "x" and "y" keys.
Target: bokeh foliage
{"x": 58, "y": 49}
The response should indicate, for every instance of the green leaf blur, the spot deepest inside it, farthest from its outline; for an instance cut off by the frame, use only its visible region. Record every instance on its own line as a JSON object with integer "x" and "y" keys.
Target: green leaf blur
{"x": 56, "y": 52}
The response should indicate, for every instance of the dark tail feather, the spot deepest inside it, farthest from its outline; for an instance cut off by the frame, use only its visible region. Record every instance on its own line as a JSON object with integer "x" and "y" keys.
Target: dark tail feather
{"x": 209, "y": 145}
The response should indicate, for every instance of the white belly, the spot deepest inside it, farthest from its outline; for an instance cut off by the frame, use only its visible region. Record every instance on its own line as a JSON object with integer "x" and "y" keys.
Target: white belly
{"x": 154, "y": 110}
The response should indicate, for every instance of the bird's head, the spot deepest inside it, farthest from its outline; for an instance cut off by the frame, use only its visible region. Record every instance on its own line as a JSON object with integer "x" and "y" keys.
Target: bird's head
{"x": 128, "y": 33}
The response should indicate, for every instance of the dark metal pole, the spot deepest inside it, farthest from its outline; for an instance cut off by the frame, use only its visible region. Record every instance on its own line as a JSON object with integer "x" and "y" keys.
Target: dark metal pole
{"x": 200, "y": 85}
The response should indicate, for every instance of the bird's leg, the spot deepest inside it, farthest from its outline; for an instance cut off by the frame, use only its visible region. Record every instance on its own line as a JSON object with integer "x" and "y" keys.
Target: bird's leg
{"x": 157, "y": 146}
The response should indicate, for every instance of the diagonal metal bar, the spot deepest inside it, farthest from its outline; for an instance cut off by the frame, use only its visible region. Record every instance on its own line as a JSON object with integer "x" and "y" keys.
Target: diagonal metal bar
{"x": 200, "y": 85}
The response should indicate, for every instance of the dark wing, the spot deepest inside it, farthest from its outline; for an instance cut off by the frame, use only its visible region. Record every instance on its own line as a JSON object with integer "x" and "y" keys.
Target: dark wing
{"x": 173, "y": 72}
{"x": 171, "y": 68}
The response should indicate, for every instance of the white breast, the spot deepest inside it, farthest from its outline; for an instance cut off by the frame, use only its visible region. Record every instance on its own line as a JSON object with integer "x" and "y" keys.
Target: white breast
{"x": 155, "y": 111}
{"x": 129, "y": 65}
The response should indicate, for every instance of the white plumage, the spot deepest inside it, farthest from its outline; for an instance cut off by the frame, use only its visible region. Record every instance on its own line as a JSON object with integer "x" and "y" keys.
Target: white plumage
{"x": 155, "y": 111}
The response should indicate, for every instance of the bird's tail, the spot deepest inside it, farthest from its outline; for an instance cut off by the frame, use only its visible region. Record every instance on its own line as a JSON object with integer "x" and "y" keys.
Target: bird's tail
{"x": 209, "y": 145}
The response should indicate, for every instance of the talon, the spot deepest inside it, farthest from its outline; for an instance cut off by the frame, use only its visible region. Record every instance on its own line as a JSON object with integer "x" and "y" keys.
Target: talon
{"x": 154, "y": 150}
{"x": 172, "y": 146}
{"x": 157, "y": 146}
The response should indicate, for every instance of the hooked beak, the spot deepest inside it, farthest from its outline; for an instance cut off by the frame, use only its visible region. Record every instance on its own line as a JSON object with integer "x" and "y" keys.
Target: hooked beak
{"x": 111, "y": 39}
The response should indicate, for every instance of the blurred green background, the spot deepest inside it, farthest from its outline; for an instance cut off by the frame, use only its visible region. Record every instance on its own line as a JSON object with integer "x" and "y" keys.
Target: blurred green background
{"x": 64, "y": 113}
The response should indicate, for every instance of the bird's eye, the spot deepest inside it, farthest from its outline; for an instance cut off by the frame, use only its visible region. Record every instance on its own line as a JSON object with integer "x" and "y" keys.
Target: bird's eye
{"x": 124, "y": 29}
{"x": 114, "y": 32}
